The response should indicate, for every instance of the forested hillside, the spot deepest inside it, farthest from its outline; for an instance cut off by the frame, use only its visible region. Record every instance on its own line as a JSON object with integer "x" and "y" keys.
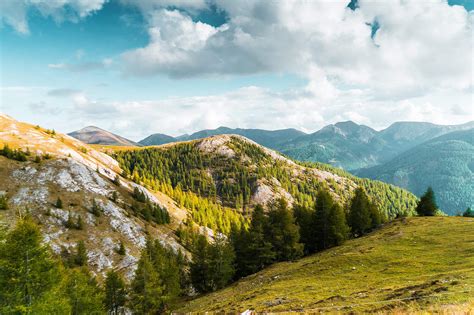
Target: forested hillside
{"x": 230, "y": 172}
{"x": 445, "y": 163}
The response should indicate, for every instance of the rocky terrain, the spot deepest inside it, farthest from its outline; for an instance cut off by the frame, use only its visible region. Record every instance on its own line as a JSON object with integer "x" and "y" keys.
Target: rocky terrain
{"x": 79, "y": 176}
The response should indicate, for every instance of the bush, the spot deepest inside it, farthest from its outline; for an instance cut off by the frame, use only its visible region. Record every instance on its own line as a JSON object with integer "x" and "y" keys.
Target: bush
{"x": 3, "y": 202}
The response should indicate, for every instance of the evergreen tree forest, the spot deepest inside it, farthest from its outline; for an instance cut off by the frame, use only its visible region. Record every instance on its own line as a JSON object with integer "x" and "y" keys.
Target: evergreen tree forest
{"x": 33, "y": 280}
{"x": 217, "y": 189}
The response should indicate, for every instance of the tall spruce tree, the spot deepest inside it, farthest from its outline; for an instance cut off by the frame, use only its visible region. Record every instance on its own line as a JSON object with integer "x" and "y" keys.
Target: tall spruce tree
{"x": 339, "y": 230}
{"x": 253, "y": 251}
{"x": 427, "y": 205}
{"x": 115, "y": 293}
{"x": 304, "y": 218}
{"x": 27, "y": 270}
{"x": 283, "y": 233}
{"x": 85, "y": 296}
{"x": 359, "y": 218}
{"x": 146, "y": 294}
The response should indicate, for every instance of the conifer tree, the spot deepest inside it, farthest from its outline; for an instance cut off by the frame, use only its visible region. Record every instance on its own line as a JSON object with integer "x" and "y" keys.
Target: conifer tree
{"x": 339, "y": 230}
{"x": 85, "y": 296}
{"x": 199, "y": 268}
{"x": 468, "y": 213}
{"x": 59, "y": 203}
{"x": 146, "y": 289}
{"x": 27, "y": 270}
{"x": 80, "y": 257}
{"x": 283, "y": 233}
{"x": 3, "y": 202}
{"x": 304, "y": 218}
{"x": 115, "y": 293}
{"x": 427, "y": 205}
{"x": 359, "y": 218}
{"x": 221, "y": 263}
{"x": 121, "y": 250}
{"x": 253, "y": 251}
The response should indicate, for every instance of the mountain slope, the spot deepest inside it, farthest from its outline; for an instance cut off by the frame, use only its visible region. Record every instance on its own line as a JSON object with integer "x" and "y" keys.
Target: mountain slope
{"x": 267, "y": 138}
{"x": 59, "y": 166}
{"x": 352, "y": 146}
{"x": 405, "y": 264}
{"x": 237, "y": 173}
{"x": 445, "y": 163}
{"x": 404, "y": 135}
{"x": 157, "y": 139}
{"x": 345, "y": 144}
{"x": 96, "y": 135}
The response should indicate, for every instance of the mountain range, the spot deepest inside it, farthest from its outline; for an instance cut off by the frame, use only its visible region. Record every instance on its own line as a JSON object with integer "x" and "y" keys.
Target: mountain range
{"x": 211, "y": 183}
{"x": 359, "y": 148}
{"x": 105, "y": 198}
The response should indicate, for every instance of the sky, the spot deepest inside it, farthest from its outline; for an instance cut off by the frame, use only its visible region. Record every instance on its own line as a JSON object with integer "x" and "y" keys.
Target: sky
{"x": 137, "y": 67}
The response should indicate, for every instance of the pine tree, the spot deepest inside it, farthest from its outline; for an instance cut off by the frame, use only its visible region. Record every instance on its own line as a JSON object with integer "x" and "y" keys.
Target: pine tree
{"x": 330, "y": 226}
{"x": 339, "y": 230}
{"x": 221, "y": 263}
{"x": 3, "y": 202}
{"x": 283, "y": 233}
{"x": 359, "y": 218}
{"x": 79, "y": 223}
{"x": 115, "y": 293}
{"x": 427, "y": 204}
{"x": 85, "y": 296}
{"x": 253, "y": 251}
{"x": 199, "y": 268}
{"x": 117, "y": 180}
{"x": 96, "y": 209}
{"x": 121, "y": 249}
{"x": 59, "y": 203}
{"x": 304, "y": 218}
{"x": 146, "y": 288}
{"x": 468, "y": 213}
{"x": 80, "y": 257}
{"x": 27, "y": 270}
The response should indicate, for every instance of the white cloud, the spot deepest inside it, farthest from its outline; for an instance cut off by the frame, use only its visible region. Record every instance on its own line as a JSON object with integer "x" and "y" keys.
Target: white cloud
{"x": 83, "y": 66}
{"x": 420, "y": 47}
{"x": 14, "y": 12}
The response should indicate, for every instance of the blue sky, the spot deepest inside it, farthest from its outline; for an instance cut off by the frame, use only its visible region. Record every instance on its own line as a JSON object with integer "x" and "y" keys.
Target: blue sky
{"x": 145, "y": 66}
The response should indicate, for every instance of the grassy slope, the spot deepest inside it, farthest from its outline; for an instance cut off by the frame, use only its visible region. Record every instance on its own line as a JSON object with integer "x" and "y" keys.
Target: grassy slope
{"x": 419, "y": 260}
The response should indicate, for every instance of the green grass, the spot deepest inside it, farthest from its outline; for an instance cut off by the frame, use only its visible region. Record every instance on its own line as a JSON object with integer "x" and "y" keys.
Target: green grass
{"x": 410, "y": 263}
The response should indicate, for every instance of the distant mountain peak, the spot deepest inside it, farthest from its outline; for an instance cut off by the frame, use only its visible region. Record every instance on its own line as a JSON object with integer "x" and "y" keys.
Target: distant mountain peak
{"x": 96, "y": 135}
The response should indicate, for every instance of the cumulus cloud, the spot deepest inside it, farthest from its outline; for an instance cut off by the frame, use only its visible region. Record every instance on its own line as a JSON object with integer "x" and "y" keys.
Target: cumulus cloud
{"x": 15, "y": 12}
{"x": 419, "y": 46}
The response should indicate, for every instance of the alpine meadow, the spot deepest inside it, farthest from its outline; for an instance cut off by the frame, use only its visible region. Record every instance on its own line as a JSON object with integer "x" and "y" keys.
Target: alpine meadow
{"x": 236, "y": 157}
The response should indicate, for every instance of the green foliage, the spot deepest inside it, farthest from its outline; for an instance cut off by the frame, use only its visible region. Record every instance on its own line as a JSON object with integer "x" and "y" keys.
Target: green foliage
{"x": 212, "y": 266}
{"x": 253, "y": 251}
{"x": 444, "y": 163}
{"x": 468, "y": 213}
{"x": 427, "y": 205}
{"x": 96, "y": 208}
{"x": 77, "y": 224}
{"x": 116, "y": 180}
{"x": 282, "y": 232}
{"x": 3, "y": 202}
{"x": 13, "y": 154}
{"x": 359, "y": 218}
{"x": 157, "y": 279}
{"x": 330, "y": 227}
{"x": 85, "y": 296}
{"x": 115, "y": 293}
{"x": 210, "y": 185}
{"x": 146, "y": 294}
{"x": 80, "y": 256}
{"x": 59, "y": 203}
{"x": 121, "y": 250}
{"x": 27, "y": 270}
